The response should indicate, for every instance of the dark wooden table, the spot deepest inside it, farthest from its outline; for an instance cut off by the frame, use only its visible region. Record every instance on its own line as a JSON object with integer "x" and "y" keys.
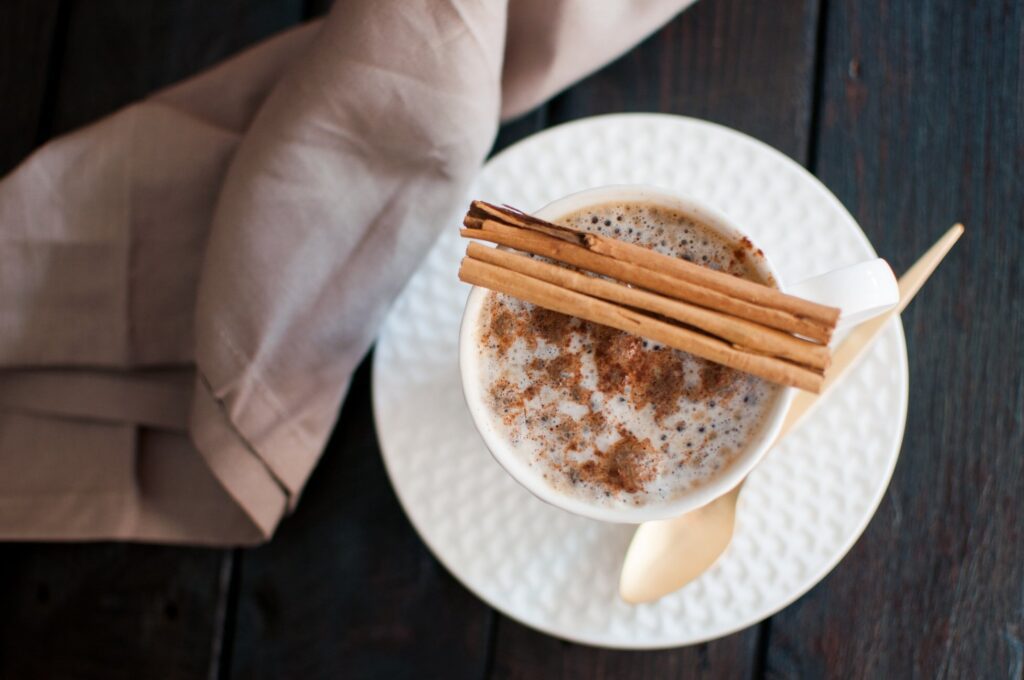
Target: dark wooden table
{"x": 911, "y": 112}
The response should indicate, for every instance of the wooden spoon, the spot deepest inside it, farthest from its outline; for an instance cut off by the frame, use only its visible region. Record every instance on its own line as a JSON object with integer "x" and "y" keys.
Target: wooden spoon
{"x": 664, "y": 556}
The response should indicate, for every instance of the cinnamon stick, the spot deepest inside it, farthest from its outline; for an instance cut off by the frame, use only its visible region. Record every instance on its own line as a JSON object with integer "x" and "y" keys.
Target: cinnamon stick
{"x": 481, "y": 211}
{"x": 743, "y": 289}
{"x": 628, "y": 272}
{"x": 742, "y": 333}
{"x": 723, "y": 282}
{"x": 566, "y": 301}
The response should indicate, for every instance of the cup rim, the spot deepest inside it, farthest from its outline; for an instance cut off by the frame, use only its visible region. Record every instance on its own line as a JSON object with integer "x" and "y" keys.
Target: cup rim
{"x": 528, "y": 476}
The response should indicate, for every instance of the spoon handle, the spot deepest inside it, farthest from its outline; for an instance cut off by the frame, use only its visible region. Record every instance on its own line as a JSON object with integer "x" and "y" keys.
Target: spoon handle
{"x": 861, "y": 338}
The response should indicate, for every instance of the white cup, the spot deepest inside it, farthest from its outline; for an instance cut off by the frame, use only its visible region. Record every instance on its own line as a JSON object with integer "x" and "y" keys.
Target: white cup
{"x": 861, "y": 291}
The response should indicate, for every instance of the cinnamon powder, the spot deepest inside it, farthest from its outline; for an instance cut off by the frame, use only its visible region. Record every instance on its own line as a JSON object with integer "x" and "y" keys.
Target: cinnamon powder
{"x": 627, "y": 465}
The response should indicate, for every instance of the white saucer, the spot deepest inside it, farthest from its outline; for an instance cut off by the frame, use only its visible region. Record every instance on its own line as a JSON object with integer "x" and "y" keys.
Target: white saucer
{"x": 801, "y": 509}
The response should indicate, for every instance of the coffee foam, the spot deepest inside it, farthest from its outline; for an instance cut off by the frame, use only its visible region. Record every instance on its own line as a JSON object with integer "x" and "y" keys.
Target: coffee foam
{"x": 641, "y": 424}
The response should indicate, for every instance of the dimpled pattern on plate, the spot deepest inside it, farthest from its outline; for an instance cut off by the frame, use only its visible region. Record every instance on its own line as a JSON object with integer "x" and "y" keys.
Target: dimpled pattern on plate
{"x": 801, "y": 509}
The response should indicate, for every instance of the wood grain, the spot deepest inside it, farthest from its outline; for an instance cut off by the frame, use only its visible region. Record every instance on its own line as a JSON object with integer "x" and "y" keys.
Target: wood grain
{"x": 732, "y": 62}
{"x": 107, "y": 611}
{"x": 920, "y": 127}
{"x": 121, "y": 50}
{"x": 520, "y": 128}
{"x": 525, "y": 654}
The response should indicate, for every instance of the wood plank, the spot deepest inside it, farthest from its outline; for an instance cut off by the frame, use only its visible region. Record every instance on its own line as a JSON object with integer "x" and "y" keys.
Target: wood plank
{"x": 920, "y": 127}
{"x": 523, "y": 653}
{"x": 721, "y": 60}
{"x": 107, "y": 611}
{"x": 520, "y": 128}
{"x": 27, "y": 28}
{"x": 111, "y": 610}
{"x": 121, "y": 50}
{"x": 347, "y": 588}
{"x": 737, "y": 63}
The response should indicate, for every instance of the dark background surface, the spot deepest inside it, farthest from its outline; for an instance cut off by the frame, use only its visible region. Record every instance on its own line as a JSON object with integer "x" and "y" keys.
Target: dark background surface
{"x": 911, "y": 112}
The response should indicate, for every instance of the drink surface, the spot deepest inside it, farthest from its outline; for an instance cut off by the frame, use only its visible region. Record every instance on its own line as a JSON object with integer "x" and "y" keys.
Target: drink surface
{"x": 609, "y": 417}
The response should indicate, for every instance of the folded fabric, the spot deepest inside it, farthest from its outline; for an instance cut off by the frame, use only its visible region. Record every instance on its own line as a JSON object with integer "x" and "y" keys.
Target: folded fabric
{"x": 187, "y": 285}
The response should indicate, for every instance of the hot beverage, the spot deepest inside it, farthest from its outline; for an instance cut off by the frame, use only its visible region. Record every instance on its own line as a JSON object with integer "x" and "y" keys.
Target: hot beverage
{"x": 612, "y": 418}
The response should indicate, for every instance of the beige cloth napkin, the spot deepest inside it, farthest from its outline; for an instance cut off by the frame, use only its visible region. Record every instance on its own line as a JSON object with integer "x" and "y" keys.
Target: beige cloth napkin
{"x": 187, "y": 285}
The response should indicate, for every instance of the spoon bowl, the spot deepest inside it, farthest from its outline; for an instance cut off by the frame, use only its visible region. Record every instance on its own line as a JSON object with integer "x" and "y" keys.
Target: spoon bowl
{"x": 670, "y": 553}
